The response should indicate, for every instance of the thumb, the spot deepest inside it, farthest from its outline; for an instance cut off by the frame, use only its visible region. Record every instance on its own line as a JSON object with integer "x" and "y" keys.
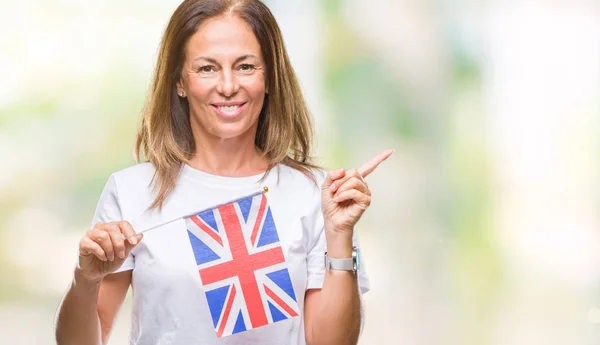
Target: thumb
{"x": 129, "y": 246}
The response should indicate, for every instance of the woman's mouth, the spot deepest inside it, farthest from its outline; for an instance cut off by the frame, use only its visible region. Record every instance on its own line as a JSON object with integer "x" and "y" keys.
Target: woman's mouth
{"x": 229, "y": 109}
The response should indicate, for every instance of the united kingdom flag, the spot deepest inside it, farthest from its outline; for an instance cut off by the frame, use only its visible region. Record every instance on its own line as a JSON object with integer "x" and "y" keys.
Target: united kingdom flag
{"x": 241, "y": 265}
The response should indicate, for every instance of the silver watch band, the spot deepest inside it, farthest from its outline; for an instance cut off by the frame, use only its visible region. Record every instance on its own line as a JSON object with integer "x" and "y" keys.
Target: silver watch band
{"x": 339, "y": 264}
{"x": 346, "y": 264}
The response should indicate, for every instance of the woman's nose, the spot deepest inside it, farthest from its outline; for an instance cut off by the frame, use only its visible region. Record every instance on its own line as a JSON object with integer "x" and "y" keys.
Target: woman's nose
{"x": 228, "y": 84}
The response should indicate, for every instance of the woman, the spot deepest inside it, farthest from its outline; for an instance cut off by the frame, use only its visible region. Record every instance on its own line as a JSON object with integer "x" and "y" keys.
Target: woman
{"x": 235, "y": 225}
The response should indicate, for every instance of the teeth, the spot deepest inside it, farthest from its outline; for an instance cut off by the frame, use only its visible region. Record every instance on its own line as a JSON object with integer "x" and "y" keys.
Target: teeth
{"x": 229, "y": 108}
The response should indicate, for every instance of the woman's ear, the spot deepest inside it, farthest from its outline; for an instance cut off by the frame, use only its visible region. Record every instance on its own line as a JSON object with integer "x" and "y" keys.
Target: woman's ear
{"x": 180, "y": 89}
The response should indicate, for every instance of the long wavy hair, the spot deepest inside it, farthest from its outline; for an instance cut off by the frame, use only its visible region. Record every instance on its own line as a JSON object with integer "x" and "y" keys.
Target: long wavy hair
{"x": 165, "y": 138}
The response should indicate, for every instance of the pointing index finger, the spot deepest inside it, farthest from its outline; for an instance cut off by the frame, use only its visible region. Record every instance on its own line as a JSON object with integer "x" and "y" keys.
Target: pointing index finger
{"x": 369, "y": 166}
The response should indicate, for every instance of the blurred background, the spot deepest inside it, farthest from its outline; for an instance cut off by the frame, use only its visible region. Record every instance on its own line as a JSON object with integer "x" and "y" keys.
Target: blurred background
{"x": 485, "y": 223}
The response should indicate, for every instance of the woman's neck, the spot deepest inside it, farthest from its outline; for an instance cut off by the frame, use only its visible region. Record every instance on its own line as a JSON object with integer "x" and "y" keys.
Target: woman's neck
{"x": 234, "y": 157}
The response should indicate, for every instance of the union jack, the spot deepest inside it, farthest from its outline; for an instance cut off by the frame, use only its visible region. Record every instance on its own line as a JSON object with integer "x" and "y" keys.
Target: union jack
{"x": 242, "y": 268}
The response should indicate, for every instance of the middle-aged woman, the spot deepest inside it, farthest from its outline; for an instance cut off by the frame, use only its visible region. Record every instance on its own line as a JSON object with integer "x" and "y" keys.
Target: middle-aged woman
{"x": 227, "y": 234}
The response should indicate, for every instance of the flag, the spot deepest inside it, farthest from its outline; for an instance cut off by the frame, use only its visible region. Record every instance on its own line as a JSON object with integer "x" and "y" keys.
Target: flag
{"x": 242, "y": 268}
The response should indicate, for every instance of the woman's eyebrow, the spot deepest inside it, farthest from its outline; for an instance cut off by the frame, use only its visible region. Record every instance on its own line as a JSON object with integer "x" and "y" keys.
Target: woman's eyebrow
{"x": 244, "y": 57}
{"x": 211, "y": 60}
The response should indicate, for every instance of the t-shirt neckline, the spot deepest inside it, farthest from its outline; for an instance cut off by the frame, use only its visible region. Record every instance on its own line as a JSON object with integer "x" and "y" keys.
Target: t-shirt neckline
{"x": 220, "y": 181}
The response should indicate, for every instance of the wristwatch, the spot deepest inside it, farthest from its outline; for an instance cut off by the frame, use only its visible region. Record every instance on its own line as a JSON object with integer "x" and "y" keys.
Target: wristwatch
{"x": 348, "y": 264}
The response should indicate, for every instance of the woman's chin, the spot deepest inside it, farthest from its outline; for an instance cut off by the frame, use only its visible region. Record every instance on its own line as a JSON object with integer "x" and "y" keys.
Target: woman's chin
{"x": 231, "y": 132}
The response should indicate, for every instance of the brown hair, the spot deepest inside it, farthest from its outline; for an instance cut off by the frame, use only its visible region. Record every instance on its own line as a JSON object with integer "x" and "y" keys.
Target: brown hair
{"x": 165, "y": 138}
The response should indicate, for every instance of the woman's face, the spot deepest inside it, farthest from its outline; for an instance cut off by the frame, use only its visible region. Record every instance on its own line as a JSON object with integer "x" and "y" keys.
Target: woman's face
{"x": 223, "y": 79}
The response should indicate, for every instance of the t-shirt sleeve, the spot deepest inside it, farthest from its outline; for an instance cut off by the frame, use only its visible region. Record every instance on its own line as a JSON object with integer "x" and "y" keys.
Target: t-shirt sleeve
{"x": 316, "y": 253}
{"x": 109, "y": 210}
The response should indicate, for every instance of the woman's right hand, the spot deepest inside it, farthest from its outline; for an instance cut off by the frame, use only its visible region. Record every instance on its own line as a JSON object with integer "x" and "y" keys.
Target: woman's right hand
{"x": 104, "y": 249}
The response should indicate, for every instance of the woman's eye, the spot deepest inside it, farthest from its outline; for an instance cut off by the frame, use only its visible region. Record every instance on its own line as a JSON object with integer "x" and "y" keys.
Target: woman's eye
{"x": 206, "y": 69}
{"x": 246, "y": 68}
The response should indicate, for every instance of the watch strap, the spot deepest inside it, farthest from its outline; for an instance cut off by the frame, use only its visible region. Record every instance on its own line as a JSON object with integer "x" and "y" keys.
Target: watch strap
{"x": 344, "y": 264}
{"x": 339, "y": 264}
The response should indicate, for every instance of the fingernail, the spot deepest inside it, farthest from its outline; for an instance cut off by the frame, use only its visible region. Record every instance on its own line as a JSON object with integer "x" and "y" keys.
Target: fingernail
{"x": 332, "y": 187}
{"x": 111, "y": 258}
{"x": 133, "y": 240}
{"x": 121, "y": 254}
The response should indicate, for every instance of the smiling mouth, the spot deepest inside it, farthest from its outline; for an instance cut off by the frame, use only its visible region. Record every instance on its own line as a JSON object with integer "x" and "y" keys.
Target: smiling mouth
{"x": 229, "y": 109}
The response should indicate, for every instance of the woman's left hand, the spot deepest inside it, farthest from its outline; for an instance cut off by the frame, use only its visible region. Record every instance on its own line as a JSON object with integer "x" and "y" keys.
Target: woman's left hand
{"x": 345, "y": 196}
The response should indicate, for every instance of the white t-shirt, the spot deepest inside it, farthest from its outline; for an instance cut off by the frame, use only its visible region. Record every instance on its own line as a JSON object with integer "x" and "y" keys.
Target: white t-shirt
{"x": 223, "y": 262}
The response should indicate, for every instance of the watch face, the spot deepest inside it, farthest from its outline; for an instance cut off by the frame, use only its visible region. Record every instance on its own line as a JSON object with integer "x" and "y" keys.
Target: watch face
{"x": 357, "y": 258}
